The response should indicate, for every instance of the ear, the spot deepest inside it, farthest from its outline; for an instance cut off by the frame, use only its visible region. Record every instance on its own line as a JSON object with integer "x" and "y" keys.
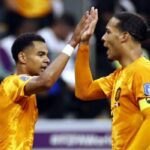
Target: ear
{"x": 124, "y": 37}
{"x": 22, "y": 57}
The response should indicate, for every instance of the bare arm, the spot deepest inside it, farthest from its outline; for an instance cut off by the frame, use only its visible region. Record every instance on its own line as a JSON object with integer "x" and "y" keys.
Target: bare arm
{"x": 46, "y": 79}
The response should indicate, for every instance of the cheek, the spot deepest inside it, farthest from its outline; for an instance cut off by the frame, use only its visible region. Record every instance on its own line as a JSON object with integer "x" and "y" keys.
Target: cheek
{"x": 114, "y": 42}
{"x": 34, "y": 67}
{"x": 109, "y": 39}
{"x": 36, "y": 59}
{"x": 34, "y": 62}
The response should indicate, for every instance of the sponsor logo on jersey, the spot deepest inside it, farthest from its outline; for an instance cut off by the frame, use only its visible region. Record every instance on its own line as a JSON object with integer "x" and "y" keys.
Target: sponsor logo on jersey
{"x": 24, "y": 77}
{"x": 118, "y": 92}
{"x": 116, "y": 102}
{"x": 147, "y": 89}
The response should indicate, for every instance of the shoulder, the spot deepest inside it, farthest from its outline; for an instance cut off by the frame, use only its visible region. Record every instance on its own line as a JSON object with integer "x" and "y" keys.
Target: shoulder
{"x": 15, "y": 79}
{"x": 141, "y": 70}
{"x": 140, "y": 66}
{"x": 9, "y": 78}
{"x": 24, "y": 77}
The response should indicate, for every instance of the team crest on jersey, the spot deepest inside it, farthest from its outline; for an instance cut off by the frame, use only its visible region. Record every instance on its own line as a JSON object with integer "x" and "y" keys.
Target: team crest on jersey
{"x": 117, "y": 96}
{"x": 147, "y": 89}
{"x": 24, "y": 77}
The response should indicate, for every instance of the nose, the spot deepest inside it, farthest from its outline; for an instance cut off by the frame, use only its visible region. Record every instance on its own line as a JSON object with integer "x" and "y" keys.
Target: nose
{"x": 103, "y": 38}
{"x": 47, "y": 60}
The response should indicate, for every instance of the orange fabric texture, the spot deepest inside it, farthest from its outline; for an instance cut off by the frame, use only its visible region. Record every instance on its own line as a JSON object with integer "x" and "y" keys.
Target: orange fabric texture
{"x": 141, "y": 141}
{"x": 124, "y": 87}
{"x": 84, "y": 78}
{"x": 34, "y": 8}
{"x": 18, "y": 115}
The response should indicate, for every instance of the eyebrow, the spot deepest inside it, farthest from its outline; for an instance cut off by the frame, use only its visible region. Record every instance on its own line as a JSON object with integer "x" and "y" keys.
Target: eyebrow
{"x": 42, "y": 52}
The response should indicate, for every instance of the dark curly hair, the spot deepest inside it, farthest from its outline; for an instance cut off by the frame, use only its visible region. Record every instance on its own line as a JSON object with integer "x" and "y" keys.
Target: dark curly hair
{"x": 23, "y": 41}
{"x": 134, "y": 24}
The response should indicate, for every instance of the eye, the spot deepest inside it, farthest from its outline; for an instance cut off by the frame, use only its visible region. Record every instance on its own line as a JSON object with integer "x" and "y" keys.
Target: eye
{"x": 108, "y": 31}
{"x": 41, "y": 54}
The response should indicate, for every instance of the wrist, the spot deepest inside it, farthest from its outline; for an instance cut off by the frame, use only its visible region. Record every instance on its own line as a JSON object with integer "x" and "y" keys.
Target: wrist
{"x": 73, "y": 43}
{"x": 84, "y": 42}
{"x": 68, "y": 50}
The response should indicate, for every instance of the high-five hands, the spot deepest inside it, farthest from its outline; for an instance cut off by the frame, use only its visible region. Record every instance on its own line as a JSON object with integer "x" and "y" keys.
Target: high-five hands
{"x": 91, "y": 24}
{"x": 85, "y": 28}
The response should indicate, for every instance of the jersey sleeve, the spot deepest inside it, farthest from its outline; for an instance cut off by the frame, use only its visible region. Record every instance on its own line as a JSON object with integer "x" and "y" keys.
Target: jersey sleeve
{"x": 141, "y": 86}
{"x": 85, "y": 86}
{"x": 106, "y": 84}
{"x": 14, "y": 86}
{"x": 141, "y": 90}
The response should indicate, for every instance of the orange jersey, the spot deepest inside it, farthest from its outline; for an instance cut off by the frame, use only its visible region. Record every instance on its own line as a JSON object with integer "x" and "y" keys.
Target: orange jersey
{"x": 18, "y": 114}
{"x": 34, "y": 8}
{"x": 124, "y": 87}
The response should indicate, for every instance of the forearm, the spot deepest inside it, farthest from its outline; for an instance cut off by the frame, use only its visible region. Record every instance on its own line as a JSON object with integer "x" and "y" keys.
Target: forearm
{"x": 47, "y": 78}
{"x": 85, "y": 89}
{"x": 52, "y": 73}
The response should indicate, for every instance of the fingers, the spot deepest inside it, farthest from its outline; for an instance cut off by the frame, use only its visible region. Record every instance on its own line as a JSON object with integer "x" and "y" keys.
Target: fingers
{"x": 94, "y": 13}
{"x": 80, "y": 28}
{"x": 90, "y": 24}
{"x": 90, "y": 17}
{"x": 93, "y": 18}
{"x": 84, "y": 18}
{"x": 86, "y": 26}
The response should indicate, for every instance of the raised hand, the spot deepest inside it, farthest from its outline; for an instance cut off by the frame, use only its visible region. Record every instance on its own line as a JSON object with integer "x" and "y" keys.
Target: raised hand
{"x": 80, "y": 29}
{"x": 91, "y": 24}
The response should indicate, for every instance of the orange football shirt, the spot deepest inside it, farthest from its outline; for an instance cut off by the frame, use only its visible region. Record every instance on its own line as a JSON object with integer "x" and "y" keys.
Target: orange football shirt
{"x": 124, "y": 87}
{"x": 18, "y": 114}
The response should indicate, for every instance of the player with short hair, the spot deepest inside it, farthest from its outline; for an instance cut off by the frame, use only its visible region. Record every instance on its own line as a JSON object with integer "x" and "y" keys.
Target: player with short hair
{"x": 128, "y": 87}
{"x": 34, "y": 74}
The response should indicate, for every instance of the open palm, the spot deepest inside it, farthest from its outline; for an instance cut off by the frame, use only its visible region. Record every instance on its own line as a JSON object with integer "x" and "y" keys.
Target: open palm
{"x": 91, "y": 21}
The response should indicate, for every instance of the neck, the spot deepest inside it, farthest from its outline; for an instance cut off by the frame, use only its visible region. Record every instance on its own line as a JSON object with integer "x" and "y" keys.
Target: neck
{"x": 20, "y": 69}
{"x": 130, "y": 54}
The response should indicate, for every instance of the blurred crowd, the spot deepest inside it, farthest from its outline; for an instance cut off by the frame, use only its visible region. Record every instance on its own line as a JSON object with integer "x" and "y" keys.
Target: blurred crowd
{"x": 52, "y": 20}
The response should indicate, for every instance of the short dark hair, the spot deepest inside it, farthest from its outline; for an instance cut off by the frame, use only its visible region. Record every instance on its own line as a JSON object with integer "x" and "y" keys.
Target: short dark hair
{"x": 22, "y": 41}
{"x": 134, "y": 24}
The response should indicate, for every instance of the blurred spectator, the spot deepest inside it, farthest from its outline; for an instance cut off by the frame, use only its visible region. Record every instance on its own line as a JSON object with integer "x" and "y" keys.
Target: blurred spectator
{"x": 57, "y": 33}
{"x": 141, "y": 7}
{"x": 41, "y": 11}
{"x": 3, "y": 26}
{"x": 125, "y": 5}
{"x": 56, "y": 36}
{"x": 6, "y": 60}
